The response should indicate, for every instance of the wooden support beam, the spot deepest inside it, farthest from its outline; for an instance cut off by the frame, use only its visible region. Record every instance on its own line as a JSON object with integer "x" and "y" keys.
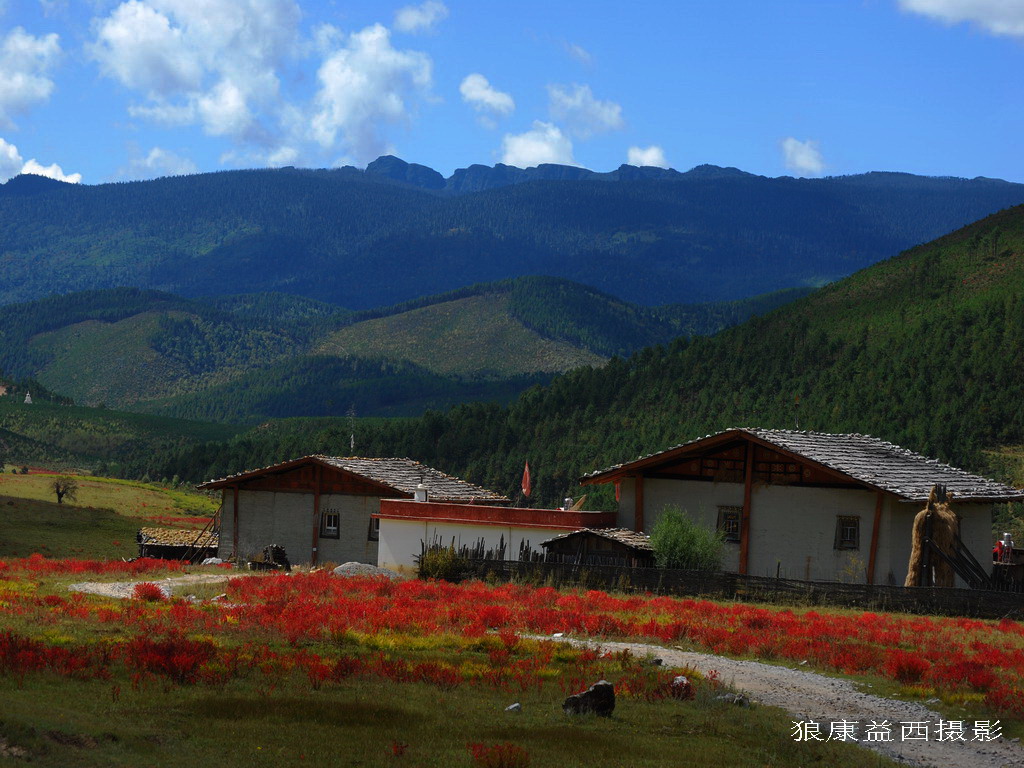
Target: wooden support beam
{"x": 748, "y": 481}
{"x": 316, "y": 512}
{"x": 638, "y": 501}
{"x": 872, "y": 555}
{"x": 234, "y": 523}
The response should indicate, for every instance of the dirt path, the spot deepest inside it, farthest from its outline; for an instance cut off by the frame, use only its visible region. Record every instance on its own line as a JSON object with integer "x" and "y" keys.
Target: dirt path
{"x": 811, "y": 696}
{"x": 123, "y": 589}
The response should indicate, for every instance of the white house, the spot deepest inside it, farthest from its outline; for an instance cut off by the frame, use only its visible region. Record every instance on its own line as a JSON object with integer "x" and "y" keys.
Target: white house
{"x": 804, "y": 505}
{"x": 406, "y": 526}
{"x": 320, "y": 508}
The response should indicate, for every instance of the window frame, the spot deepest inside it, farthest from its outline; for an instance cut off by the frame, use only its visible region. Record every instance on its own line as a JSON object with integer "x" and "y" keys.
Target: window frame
{"x": 727, "y": 515}
{"x": 843, "y": 524}
{"x": 325, "y": 529}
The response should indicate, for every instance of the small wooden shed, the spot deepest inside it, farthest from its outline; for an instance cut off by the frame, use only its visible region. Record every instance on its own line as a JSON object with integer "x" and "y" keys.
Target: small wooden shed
{"x": 176, "y": 544}
{"x": 601, "y": 546}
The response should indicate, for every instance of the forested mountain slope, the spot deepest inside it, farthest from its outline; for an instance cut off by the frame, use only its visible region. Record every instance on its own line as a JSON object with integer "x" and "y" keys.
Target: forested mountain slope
{"x": 361, "y": 239}
{"x": 925, "y": 350}
{"x": 247, "y": 358}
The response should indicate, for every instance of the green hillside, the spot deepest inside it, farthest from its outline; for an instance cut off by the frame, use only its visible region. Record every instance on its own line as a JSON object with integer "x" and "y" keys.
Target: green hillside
{"x": 246, "y": 358}
{"x": 124, "y": 346}
{"x": 475, "y": 334}
{"x": 318, "y": 385}
{"x": 925, "y": 350}
{"x": 73, "y": 436}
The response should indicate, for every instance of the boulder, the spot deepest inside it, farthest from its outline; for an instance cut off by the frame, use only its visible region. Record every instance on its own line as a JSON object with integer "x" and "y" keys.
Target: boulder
{"x": 734, "y": 698}
{"x": 353, "y": 568}
{"x": 682, "y": 688}
{"x": 598, "y": 698}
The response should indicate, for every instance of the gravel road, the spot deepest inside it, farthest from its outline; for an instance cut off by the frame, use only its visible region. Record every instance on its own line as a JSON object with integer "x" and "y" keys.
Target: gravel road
{"x": 810, "y": 696}
{"x": 123, "y": 589}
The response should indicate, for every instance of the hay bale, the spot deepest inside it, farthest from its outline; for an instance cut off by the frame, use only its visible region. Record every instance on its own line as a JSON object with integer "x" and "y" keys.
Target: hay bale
{"x": 945, "y": 530}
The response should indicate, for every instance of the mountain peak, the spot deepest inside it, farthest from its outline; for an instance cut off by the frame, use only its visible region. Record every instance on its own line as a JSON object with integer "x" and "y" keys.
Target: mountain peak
{"x": 396, "y": 169}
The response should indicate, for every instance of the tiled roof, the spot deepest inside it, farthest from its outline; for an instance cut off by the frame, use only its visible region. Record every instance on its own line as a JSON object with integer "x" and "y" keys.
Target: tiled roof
{"x": 866, "y": 459}
{"x": 402, "y": 475}
{"x": 176, "y": 537}
{"x": 405, "y": 474}
{"x": 625, "y": 536}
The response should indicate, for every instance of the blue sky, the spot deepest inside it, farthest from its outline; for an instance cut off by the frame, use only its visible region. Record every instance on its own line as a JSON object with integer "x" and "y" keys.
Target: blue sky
{"x": 103, "y": 91}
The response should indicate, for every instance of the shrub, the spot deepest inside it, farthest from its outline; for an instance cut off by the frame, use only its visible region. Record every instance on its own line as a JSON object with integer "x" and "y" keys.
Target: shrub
{"x": 148, "y": 591}
{"x": 679, "y": 542}
{"x": 444, "y": 563}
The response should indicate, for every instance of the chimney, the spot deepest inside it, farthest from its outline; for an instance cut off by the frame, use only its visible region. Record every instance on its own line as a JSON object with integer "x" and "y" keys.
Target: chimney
{"x": 420, "y": 493}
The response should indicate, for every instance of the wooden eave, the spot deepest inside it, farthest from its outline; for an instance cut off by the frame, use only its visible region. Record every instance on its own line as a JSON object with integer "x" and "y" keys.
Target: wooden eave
{"x": 643, "y": 467}
{"x": 255, "y": 475}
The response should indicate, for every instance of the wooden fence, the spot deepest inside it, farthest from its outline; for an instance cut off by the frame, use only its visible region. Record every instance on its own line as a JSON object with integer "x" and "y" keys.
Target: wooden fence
{"x": 976, "y": 603}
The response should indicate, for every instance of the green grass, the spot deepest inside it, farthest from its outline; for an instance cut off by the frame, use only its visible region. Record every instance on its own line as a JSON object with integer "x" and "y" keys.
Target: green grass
{"x": 125, "y": 497}
{"x": 76, "y": 436}
{"x": 28, "y": 526}
{"x": 465, "y": 336}
{"x": 64, "y": 723}
{"x": 100, "y": 524}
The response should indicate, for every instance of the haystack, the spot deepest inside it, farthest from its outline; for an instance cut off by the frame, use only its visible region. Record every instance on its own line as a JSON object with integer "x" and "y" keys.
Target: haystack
{"x": 945, "y": 527}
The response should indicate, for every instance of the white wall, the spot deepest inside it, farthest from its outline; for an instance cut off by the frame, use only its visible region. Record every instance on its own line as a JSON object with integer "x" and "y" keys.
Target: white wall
{"x": 286, "y": 519}
{"x": 793, "y": 527}
{"x": 401, "y": 540}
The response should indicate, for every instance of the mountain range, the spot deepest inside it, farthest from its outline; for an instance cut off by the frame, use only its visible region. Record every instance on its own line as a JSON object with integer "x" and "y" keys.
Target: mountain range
{"x": 395, "y": 232}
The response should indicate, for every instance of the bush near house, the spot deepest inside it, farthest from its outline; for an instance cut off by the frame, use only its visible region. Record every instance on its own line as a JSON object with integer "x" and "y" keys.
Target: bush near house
{"x": 679, "y": 542}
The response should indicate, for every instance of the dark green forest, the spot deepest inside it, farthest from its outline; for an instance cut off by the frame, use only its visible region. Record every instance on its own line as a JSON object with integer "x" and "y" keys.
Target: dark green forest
{"x": 362, "y": 240}
{"x": 925, "y": 350}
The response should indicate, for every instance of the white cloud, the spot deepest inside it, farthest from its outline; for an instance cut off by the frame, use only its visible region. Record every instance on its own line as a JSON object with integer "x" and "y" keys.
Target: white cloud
{"x": 583, "y": 115}
{"x": 211, "y": 62}
{"x": 420, "y": 18}
{"x": 365, "y": 86}
{"x": 25, "y": 65}
{"x": 169, "y": 115}
{"x": 578, "y": 52}
{"x": 53, "y": 171}
{"x": 282, "y": 156}
{"x": 650, "y": 156}
{"x": 11, "y": 164}
{"x": 157, "y": 162}
{"x": 224, "y": 110}
{"x": 484, "y": 98}
{"x": 803, "y": 157}
{"x": 544, "y": 143}
{"x": 11, "y": 161}
{"x": 1000, "y": 17}
{"x": 139, "y": 46}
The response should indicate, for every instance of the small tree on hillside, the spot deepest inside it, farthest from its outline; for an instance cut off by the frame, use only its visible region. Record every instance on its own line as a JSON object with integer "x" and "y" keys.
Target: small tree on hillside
{"x": 65, "y": 488}
{"x": 678, "y": 542}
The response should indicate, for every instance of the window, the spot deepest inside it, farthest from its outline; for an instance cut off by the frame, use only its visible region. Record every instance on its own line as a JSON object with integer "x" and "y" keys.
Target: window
{"x": 847, "y": 532}
{"x": 729, "y": 522}
{"x": 374, "y": 534}
{"x": 330, "y": 524}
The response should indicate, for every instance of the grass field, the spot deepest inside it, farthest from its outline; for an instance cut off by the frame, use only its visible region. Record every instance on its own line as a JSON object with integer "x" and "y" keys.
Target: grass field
{"x": 88, "y": 681}
{"x": 102, "y": 520}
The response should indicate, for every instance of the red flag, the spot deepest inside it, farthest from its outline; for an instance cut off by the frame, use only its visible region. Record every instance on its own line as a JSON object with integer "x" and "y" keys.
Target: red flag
{"x": 526, "y": 480}
{"x": 618, "y": 490}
